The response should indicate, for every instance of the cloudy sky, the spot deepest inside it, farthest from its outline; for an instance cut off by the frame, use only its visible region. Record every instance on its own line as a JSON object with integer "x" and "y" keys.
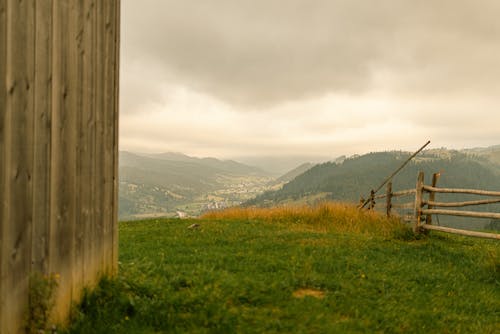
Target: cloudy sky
{"x": 231, "y": 78}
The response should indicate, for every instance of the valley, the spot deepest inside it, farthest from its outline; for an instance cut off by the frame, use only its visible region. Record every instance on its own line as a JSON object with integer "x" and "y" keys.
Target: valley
{"x": 175, "y": 185}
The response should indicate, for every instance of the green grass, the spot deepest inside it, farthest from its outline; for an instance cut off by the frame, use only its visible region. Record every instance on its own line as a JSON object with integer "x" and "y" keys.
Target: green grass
{"x": 246, "y": 276}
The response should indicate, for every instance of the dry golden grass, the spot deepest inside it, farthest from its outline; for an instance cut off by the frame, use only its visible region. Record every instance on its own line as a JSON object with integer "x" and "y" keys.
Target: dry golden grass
{"x": 323, "y": 217}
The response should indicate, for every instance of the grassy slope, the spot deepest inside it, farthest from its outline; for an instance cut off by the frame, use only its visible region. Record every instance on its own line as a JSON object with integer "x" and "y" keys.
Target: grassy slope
{"x": 240, "y": 275}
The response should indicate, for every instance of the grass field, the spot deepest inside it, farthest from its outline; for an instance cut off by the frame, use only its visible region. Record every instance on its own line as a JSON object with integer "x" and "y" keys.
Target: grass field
{"x": 326, "y": 270}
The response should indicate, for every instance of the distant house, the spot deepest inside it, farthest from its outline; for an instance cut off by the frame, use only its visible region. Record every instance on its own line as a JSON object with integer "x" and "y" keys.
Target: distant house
{"x": 181, "y": 214}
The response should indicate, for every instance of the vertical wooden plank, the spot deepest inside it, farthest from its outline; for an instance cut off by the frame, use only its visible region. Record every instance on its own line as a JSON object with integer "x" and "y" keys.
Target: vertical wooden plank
{"x": 63, "y": 154}
{"x": 372, "y": 199}
{"x": 388, "y": 198}
{"x": 418, "y": 201}
{"x": 109, "y": 133}
{"x": 432, "y": 197}
{"x": 18, "y": 163}
{"x": 99, "y": 152}
{"x": 3, "y": 114}
{"x": 87, "y": 142}
{"x": 78, "y": 16}
{"x": 116, "y": 134}
{"x": 107, "y": 143}
{"x": 42, "y": 133}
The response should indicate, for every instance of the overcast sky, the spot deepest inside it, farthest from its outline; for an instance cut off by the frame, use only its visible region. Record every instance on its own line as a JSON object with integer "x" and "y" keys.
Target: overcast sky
{"x": 230, "y": 78}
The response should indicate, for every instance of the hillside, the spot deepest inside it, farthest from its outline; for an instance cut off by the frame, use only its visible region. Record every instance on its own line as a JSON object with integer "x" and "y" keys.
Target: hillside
{"x": 280, "y": 165}
{"x": 295, "y": 172}
{"x": 355, "y": 176}
{"x": 287, "y": 274}
{"x": 491, "y": 154}
{"x": 165, "y": 184}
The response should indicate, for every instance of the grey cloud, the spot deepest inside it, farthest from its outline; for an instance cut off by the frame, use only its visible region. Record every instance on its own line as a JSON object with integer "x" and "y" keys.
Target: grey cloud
{"x": 261, "y": 52}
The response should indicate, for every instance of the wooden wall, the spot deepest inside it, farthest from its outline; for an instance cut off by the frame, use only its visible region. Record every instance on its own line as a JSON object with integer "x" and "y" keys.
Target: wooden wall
{"x": 58, "y": 148}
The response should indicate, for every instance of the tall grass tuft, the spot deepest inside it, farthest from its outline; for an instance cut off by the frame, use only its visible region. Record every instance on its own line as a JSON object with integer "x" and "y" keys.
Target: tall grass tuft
{"x": 325, "y": 216}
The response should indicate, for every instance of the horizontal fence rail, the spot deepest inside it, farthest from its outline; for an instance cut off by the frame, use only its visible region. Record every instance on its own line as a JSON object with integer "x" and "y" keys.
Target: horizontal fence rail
{"x": 409, "y": 205}
{"x": 462, "y": 232}
{"x": 461, "y": 204}
{"x": 461, "y": 191}
{"x": 404, "y": 193}
{"x": 472, "y": 214}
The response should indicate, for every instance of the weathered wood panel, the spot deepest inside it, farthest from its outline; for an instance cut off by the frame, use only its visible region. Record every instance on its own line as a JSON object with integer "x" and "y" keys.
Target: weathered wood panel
{"x": 110, "y": 64}
{"x": 98, "y": 235}
{"x": 64, "y": 132}
{"x": 87, "y": 166}
{"x": 42, "y": 133}
{"x": 117, "y": 23}
{"x": 3, "y": 114}
{"x": 58, "y": 147}
{"x": 18, "y": 154}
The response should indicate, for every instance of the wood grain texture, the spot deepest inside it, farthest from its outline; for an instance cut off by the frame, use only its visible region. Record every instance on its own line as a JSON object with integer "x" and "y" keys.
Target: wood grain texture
{"x": 432, "y": 203}
{"x": 388, "y": 201}
{"x": 462, "y": 232}
{"x": 432, "y": 197}
{"x": 18, "y": 146}
{"x": 63, "y": 206}
{"x": 109, "y": 133}
{"x": 116, "y": 109}
{"x": 473, "y": 214}
{"x": 3, "y": 116}
{"x": 58, "y": 146}
{"x": 418, "y": 200}
{"x": 462, "y": 191}
{"x": 87, "y": 143}
{"x": 42, "y": 134}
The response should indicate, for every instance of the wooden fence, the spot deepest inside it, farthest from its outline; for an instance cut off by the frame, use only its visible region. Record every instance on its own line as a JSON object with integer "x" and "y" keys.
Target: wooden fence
{"x": 424, "y": 206}
{"x": 58, "y": 149}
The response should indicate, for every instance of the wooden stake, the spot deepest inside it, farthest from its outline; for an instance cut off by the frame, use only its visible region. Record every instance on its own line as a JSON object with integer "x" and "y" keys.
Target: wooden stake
{"x": 389, "y": 199}
{"x": 418, "y": 201}
{"x": 372, "y": 199}
{"x": 432, "y": 197}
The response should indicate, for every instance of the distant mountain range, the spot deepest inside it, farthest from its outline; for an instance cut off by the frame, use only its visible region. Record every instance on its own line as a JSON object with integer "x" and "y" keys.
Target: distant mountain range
{"x": 216, "y": 165}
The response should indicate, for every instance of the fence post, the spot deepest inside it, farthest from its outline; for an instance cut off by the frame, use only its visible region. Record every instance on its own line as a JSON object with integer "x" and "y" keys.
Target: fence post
{"x": 432, "y": 197}
{"x": 418, "y": 201}
{"x": 389, "y": 199}
{"x": 372, "y": 199}
{"x": 361, "y": 201}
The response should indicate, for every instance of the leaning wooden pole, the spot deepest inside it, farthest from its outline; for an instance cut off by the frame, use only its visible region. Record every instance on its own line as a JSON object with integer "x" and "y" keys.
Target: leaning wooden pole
{"x": 397, "y": 171}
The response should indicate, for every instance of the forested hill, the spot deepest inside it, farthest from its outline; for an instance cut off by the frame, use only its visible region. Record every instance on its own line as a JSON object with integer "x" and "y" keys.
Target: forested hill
{"x": 355, "y": 176}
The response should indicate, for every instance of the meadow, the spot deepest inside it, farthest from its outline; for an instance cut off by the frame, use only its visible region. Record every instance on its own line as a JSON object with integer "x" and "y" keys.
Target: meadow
{"x": 327, "y": 269}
